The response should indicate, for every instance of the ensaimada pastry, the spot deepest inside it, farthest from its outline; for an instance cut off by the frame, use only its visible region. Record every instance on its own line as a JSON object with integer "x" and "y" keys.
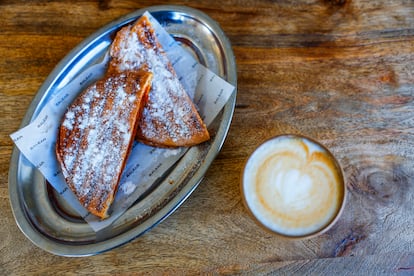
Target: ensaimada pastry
{"x": 96, "y": 134}
{"x": 170, "y": 118}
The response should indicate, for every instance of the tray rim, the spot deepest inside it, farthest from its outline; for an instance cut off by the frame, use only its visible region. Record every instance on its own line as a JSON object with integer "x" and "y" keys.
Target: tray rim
{"x": 21, "y": 219}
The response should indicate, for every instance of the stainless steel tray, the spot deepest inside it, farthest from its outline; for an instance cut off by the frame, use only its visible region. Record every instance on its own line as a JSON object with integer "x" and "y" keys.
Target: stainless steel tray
{"x": 39, "y": 212}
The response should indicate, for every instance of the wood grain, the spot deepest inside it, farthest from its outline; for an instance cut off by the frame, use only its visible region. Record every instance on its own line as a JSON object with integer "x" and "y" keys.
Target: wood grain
{"x": 341, "y": 72}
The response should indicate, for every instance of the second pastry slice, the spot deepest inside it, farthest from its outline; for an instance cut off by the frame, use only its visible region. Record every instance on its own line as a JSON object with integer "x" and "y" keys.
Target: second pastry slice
{"x": 170, "y": 118}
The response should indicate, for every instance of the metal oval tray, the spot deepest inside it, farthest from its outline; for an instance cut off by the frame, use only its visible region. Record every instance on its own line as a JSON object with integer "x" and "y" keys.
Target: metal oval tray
{"x": 39, "y": 212}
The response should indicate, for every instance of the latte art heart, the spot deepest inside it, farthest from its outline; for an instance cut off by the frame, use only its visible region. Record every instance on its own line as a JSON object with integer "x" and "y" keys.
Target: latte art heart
{"x": 293, "y": 186}
{"x": 294, "y": 196}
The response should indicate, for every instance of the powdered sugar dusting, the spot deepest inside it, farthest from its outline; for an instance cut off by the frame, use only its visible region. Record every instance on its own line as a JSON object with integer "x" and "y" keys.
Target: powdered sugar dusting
{"x": 128, "y": 187}
{"x": 97, "y": 134}
{"x": 169, "y": 111}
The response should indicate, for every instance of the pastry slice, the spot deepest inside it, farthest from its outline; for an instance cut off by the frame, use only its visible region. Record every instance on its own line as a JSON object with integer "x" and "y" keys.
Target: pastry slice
{"x": 170, "y": 118}
{"x": 96, "y": 134}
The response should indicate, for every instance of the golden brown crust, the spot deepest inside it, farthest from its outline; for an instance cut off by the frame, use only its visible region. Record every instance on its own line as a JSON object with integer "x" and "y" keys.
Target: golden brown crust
{"x": 170, "y": 118}
{"x": 96, "y": 135}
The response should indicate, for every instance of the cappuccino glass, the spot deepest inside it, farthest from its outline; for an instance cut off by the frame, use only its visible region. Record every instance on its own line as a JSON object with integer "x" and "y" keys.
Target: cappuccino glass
{"x": 293, "y": 186}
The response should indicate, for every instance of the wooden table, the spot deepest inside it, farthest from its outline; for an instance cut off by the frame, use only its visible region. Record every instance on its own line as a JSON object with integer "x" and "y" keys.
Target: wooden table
{"x": 341, "y": 72}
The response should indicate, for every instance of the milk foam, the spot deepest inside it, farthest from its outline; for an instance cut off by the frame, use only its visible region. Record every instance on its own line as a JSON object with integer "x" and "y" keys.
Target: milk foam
{"x": 294, "y": 196}
{"x": 292, "y": 186}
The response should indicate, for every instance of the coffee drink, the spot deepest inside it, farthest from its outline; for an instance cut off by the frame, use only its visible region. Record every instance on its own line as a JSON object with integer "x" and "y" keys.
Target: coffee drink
{"x": 293, "y": 186}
